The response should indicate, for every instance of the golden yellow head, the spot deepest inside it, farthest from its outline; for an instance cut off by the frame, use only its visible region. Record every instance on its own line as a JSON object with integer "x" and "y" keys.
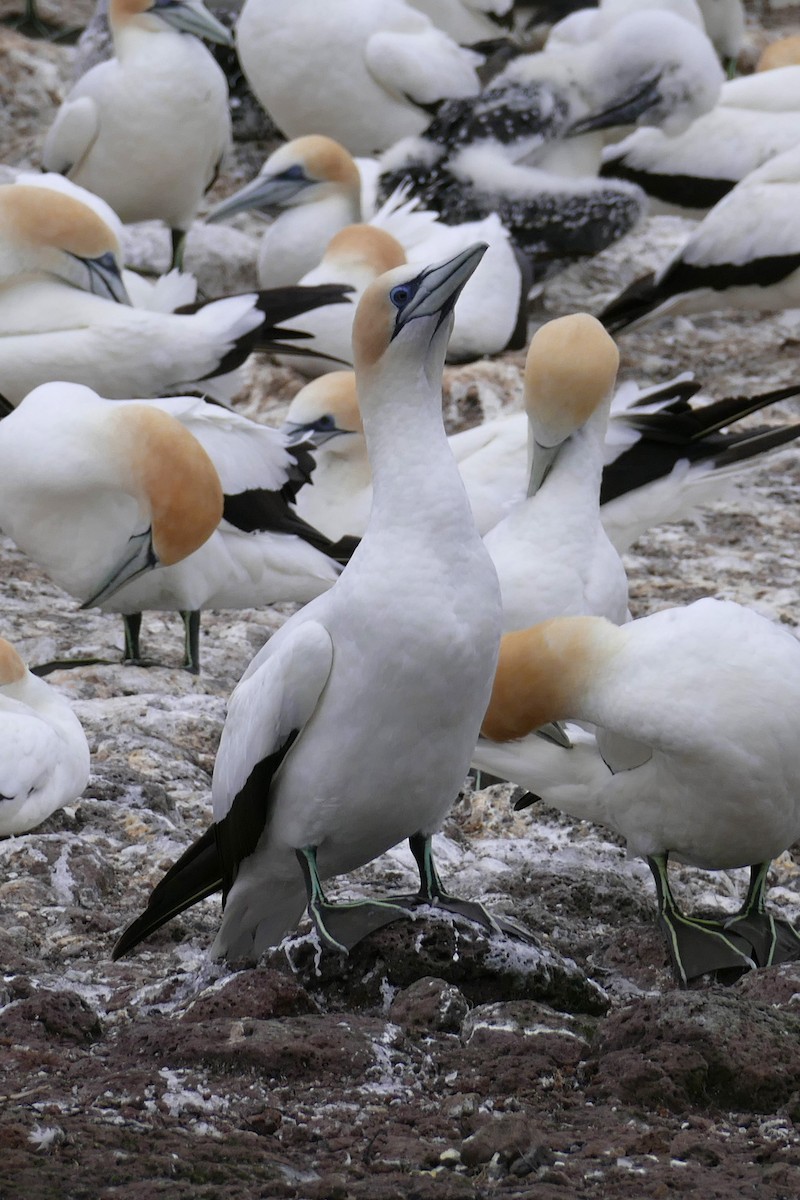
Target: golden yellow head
{"x": 365, "y": 247}
{"x": 320, "y": 157}
{"x": 570, "y": 370}
{"x": 783, "y": 53}
{"x": 39, "y": 216}
{"x": 12, "y": 668}
{"x": 333, "y": 395}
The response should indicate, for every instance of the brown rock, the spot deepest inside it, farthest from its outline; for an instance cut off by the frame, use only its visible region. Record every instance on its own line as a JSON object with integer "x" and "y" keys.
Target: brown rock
{"x": 259, "y": 993}
{"x": 429, "y": 1003}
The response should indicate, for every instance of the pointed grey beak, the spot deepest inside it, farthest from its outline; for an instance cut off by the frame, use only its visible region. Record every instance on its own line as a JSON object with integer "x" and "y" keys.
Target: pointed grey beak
{"x": 626, "y": 110}
{"x": 266, "y": 193}
{"x": 315, "y": 433}
{"x": 193, "y": 18}
{"x": 543, "y": 459}
{"x": 137, "y": 557}
{"x": 436, "y": 289}
{"x": 105, "y": 278}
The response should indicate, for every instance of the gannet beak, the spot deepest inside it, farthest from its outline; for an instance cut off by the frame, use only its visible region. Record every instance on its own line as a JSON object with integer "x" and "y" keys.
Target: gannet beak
{"x": 315, "y": 433}
{"x": 137, "y": 557}
{"x": 105, "y": 278}
{"x": 626, "y": 110}
{"x": 437, "y": 288}
{"x": 543, "y": 459}
{"x": 266, "y": 193}
{"x": 193, "y": 18}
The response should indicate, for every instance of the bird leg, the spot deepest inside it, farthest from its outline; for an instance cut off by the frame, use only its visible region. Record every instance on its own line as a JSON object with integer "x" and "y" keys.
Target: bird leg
{"x": 342, "y": 926}
{"x": 191, "y": 640}
{"x": 695, "y": 946}
{"x": 432, "y": 892}
{"x": 773, "y": 940}
{"x": 178, "y": 238}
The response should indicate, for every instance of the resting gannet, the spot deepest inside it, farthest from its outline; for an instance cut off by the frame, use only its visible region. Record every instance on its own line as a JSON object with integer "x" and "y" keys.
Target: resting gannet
{"x": 173, "y": 504}
{"x": 744, "y": 254}
{"x": 697, "y": 752}
{"x": 350, "y": 730}
{"x": 147, "y": 129}
{"x": 44, "y": 755}
{"x": 467, "y": 21}
{"x": 361, "y": 71}
{"x": 65, "y": 311}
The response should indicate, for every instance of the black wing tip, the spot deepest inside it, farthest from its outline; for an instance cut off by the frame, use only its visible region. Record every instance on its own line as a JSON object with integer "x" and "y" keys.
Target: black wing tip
{"x": 638, "y": 299}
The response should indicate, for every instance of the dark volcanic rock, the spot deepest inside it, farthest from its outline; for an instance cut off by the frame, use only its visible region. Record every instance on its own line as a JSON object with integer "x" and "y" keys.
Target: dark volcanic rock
{"x": 51, "y": 1016}
{"x": 258, "y": 993}
{"x": 430, "y": 1004}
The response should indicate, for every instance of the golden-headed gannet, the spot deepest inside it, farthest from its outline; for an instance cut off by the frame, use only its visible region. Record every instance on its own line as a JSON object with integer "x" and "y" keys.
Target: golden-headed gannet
{"x": 551, "y": 553}
{"x": 361, "y": 71}
{"x": 697, "y": 754}
{"x": 350, "y": 730}
{"x": 755, "y": 119}
{"x": 312, "y": 187}
{"x": 467, "y": 21}
{"x": 664, "y": 457}
{"x": 44, "y": 756}
{"x": 65, "y": 315}
{"x": 202, "y": 491}
{"x": 785, "y": 52}
{"x": 744, "y": 254}
{"x": 147, "y": 129}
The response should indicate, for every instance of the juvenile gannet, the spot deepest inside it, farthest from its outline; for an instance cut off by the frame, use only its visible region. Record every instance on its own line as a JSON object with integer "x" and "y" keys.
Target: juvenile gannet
{"x": 664, "y": 457}
{"x": 552, "y": 554}
{"x": 313, "y": 187}
{"x": 697, "y": 755}
{"x": 44, "y": 755}
{"x": 190, "y": 488}
{"x": 65, "y": 311}
{"x": 370, "y": 68}
{"x": 350, "y": 730}
{"x": 744, "y": 254}
{"x": 755, "y": 119}
{"x": 147, "y": 129}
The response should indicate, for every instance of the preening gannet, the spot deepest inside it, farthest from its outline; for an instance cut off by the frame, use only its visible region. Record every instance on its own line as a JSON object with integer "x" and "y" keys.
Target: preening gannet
{"x": 44, "y": 755}
{"x": 65, "y": 312}
{"x": 312, "y": 187}
{"x": 552, "y": 554}
{"x": 744, "y": 254}
{"x": 697, "y": 754}
{"x": 147, "y": 129}
{"x": 350, "y": 730}
{"x": 171, "y": 504}
{"x": 368, "y": 70}
{"x": 756, "y": 118}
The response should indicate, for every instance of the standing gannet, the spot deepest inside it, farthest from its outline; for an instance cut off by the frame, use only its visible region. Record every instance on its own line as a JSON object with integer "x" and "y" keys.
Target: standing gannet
{"x": 552, "y": 554}
{"x": 65, "y": 313}
{"x": 663, "y": 456}
{"x": 744, "y": 254}
{"x": 697, "y": 754}
{"x": 147, "y": 129}
{"x": 44, "y": 755}
{"x": 351, "y": 729}
{"x": 369, "y": 69}
{"x": 313, "y": 188}
{"x": 204, "y": 464}
{"x": 755, "y": 119}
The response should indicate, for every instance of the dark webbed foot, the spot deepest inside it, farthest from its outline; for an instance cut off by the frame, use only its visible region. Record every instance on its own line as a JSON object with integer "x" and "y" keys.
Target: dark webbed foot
{"x": 343, "y": 926}
{"x": 773, "y": 940}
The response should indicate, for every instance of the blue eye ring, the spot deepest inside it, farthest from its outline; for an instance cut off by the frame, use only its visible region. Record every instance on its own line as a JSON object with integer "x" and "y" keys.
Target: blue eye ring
{"x": 291, "y": 173}
{"x": 401, "y": 293}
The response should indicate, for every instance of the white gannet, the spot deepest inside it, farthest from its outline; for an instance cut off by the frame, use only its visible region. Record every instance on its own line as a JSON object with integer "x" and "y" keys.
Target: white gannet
{"x": 313, "y": 188}
{"x": 467, "y": 21}
{"x": 552, "y": 554}
{"x": 697, "y": 753}
{"x": 369, "y": 69}
{"x": 65, "y": 311}
{"x": 755, "y": 119}
{"x": 44, "y": 759}
{"x": 121, "y": 531}
{"x": 664, "y": 457}
{"x": 147, "y": 129}
{"x": 350, "y": 730}
{"x": 744, "y": 254}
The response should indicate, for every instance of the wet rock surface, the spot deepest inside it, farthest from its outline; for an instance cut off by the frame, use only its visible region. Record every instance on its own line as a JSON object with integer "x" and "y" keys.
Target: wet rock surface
{"x": 437, "y": 1061}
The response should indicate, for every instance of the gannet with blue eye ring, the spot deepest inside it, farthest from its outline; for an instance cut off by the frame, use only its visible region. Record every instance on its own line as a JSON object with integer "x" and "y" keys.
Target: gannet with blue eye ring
{"x": 756, "y": 119}
{"x": 697, "y": 753}
{"x": 552, "y": 554}
{"x": 44, "y": 755}
{"x": 65, "y": 312}
{"x": 370, "y": 68}
{"x": 238, "y": 482}
{"x": 147, "y": 129}
{"x": 744, "y": 254}
{"x": 350, "y": 730}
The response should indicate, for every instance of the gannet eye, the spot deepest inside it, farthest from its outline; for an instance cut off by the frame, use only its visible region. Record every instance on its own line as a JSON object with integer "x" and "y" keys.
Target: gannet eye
{"x": 295, "y": 172}
{"x": 401, "y": 294}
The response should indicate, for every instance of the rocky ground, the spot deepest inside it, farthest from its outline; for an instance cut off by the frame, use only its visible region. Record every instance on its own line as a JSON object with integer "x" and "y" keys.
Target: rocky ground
{"x": 434, "y": 1062}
